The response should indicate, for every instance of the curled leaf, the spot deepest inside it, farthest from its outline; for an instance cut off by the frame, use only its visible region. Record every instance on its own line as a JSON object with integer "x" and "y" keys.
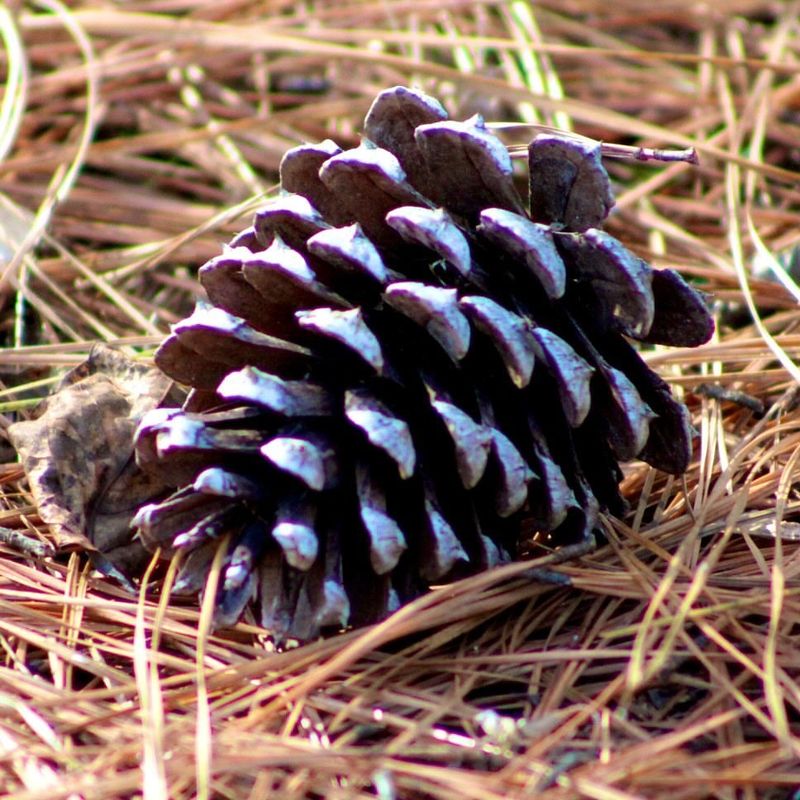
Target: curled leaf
{"x": 78, "y": 453}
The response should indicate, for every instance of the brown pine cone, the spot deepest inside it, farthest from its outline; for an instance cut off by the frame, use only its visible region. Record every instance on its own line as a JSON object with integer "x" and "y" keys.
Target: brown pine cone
{"x": 400, "y": 363}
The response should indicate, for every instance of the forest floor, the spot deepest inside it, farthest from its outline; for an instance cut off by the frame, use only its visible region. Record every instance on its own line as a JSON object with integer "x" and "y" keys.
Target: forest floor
{"x": 137, "y": 137}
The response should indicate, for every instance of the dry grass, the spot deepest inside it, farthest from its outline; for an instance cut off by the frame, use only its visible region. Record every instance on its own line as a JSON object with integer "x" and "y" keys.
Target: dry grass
{"x": 135, "y": 137}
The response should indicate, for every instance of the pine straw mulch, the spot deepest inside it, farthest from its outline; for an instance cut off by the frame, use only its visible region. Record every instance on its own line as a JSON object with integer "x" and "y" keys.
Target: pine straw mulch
{"x": 136, "y": 137}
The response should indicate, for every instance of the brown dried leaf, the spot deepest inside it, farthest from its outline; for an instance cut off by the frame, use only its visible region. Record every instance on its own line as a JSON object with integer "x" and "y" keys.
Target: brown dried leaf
{"x": 78, "y": 453}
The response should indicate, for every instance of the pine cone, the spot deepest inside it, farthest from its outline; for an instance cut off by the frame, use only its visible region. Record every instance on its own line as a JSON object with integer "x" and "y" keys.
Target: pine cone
{"x": 399, "y": 364}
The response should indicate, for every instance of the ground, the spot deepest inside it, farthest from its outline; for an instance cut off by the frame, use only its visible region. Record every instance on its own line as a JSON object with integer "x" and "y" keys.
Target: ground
{"x": 135, "y": 138}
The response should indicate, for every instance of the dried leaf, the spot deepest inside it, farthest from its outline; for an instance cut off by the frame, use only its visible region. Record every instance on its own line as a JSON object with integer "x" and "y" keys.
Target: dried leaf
{"x": 78, "y": 453}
